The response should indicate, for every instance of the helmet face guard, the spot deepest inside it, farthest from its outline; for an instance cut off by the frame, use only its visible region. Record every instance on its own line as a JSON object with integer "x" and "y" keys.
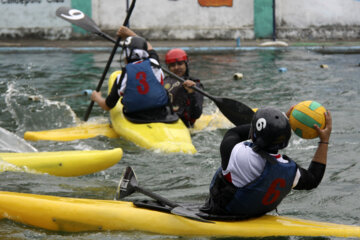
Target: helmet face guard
{"x": 270, "y": 130}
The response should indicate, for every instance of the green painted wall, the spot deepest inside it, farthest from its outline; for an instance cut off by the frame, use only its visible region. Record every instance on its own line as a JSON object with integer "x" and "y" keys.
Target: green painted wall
{"x": 263, "y": 18}
{"x": 85, "y": 7}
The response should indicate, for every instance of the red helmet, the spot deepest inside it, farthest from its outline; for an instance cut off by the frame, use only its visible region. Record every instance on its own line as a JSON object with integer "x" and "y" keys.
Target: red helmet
{"x": 175, "y": 55}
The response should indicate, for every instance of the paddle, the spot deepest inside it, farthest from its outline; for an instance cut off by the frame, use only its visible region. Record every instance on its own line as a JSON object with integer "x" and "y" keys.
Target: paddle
{"x": 85, "y": 92}
{"x": 237, "y": 112}
{"x": 80, "y": 19}
{"x": 128, "y": 184}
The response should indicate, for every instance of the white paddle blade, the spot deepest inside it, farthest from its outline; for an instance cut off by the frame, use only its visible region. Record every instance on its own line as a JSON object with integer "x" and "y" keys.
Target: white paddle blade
{"x": 77, "y": 18}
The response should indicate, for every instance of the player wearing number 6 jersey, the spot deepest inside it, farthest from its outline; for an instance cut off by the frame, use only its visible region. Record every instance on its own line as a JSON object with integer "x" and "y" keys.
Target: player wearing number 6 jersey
{"x": 140, "y": 84}
{"x": 254, "y": 178}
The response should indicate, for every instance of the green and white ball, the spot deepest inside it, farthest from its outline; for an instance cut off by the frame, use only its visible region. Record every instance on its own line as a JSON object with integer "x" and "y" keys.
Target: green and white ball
{"x": 303, "y": 117}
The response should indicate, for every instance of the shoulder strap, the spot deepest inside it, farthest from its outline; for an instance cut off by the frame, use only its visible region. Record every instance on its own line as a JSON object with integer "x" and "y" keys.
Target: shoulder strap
{"x": 154, "y": 64}
{"x": 123, "y": 71}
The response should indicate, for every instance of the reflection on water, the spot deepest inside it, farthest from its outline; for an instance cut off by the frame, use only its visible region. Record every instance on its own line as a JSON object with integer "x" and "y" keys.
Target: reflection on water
{"x": 184, "y": 178}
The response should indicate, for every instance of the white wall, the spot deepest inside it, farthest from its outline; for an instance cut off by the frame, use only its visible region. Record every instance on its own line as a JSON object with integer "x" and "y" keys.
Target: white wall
{"x": 307, "y": 19}
{"x": 186, "y": 19}
{"x": 33, "y": 17}
{"x": 305, "y": 13}
{"x": 182, "y": 19}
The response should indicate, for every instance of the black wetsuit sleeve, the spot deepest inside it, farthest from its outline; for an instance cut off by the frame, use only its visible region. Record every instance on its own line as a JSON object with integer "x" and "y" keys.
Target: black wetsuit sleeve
{"x": 232, "y": 137}
{"x": 311, "y": 177}
{"x": 196, "y": 103}
{"x": 153, "y": 54}
{"x": 113, "y": 97}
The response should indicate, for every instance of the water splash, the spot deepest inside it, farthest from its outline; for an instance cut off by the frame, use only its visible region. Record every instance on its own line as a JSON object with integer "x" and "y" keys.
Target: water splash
{"x": 9, "y": 142}
{"x": 50, "y": 113}
{"x": 8, "y": 167}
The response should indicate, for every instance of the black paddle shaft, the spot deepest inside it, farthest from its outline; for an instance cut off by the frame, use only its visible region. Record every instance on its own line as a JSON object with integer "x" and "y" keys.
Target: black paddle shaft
{"x": 110, "y": 59}
{"x": 156, "y": 196}
{"x": 176, "y": 208}
{"x": 237, "y": 112}
{"x": 128, "y": 184}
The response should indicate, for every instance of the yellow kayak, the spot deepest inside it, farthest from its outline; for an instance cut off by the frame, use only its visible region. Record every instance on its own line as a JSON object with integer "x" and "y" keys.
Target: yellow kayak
{"x": 61, "y": 163}
{"x": 208, "y": 122}
{"x": 164, "y": 137}
{"x": 80, "y": 215}
{"x": 82, "y": 131}
{"x": 212, "y": 121}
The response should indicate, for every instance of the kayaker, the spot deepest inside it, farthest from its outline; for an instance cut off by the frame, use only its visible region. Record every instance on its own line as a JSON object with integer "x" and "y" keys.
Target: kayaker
{"x": 140, "y": 84}
{"x": 186, "y": 102}
{"x": 254, "y": 178}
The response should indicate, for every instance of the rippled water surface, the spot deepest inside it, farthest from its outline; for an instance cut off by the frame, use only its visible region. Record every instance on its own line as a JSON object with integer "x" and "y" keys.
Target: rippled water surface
{"x": 180, "y": 177}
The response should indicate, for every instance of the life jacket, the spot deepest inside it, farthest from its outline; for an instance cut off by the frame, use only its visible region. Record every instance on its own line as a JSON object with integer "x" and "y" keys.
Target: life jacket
{"x": 143, "y": 90}
{"x": 262, "y": 195}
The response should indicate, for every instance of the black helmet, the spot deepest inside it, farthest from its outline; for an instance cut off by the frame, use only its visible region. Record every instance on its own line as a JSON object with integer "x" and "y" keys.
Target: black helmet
{"x": 135, "y": 48}
{"x": 270, "y": 129}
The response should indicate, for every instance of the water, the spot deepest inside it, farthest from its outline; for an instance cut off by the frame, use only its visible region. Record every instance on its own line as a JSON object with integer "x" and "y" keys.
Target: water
{"x": 184, "y": 178}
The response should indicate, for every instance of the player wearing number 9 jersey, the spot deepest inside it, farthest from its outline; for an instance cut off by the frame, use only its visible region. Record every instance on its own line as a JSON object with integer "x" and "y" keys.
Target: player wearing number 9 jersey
{"x": 254, "y": 178}
{"x": 140, "y": 84}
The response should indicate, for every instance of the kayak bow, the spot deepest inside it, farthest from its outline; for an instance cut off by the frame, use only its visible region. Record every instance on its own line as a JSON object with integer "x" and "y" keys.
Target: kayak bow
{"x": 61, "y": 163}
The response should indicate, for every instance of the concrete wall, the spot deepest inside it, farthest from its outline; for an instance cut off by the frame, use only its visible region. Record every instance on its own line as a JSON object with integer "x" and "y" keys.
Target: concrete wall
{"x": 185, "y": 19}
{"x": 34, "y": 18}
{"x": 318, "y": 19}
